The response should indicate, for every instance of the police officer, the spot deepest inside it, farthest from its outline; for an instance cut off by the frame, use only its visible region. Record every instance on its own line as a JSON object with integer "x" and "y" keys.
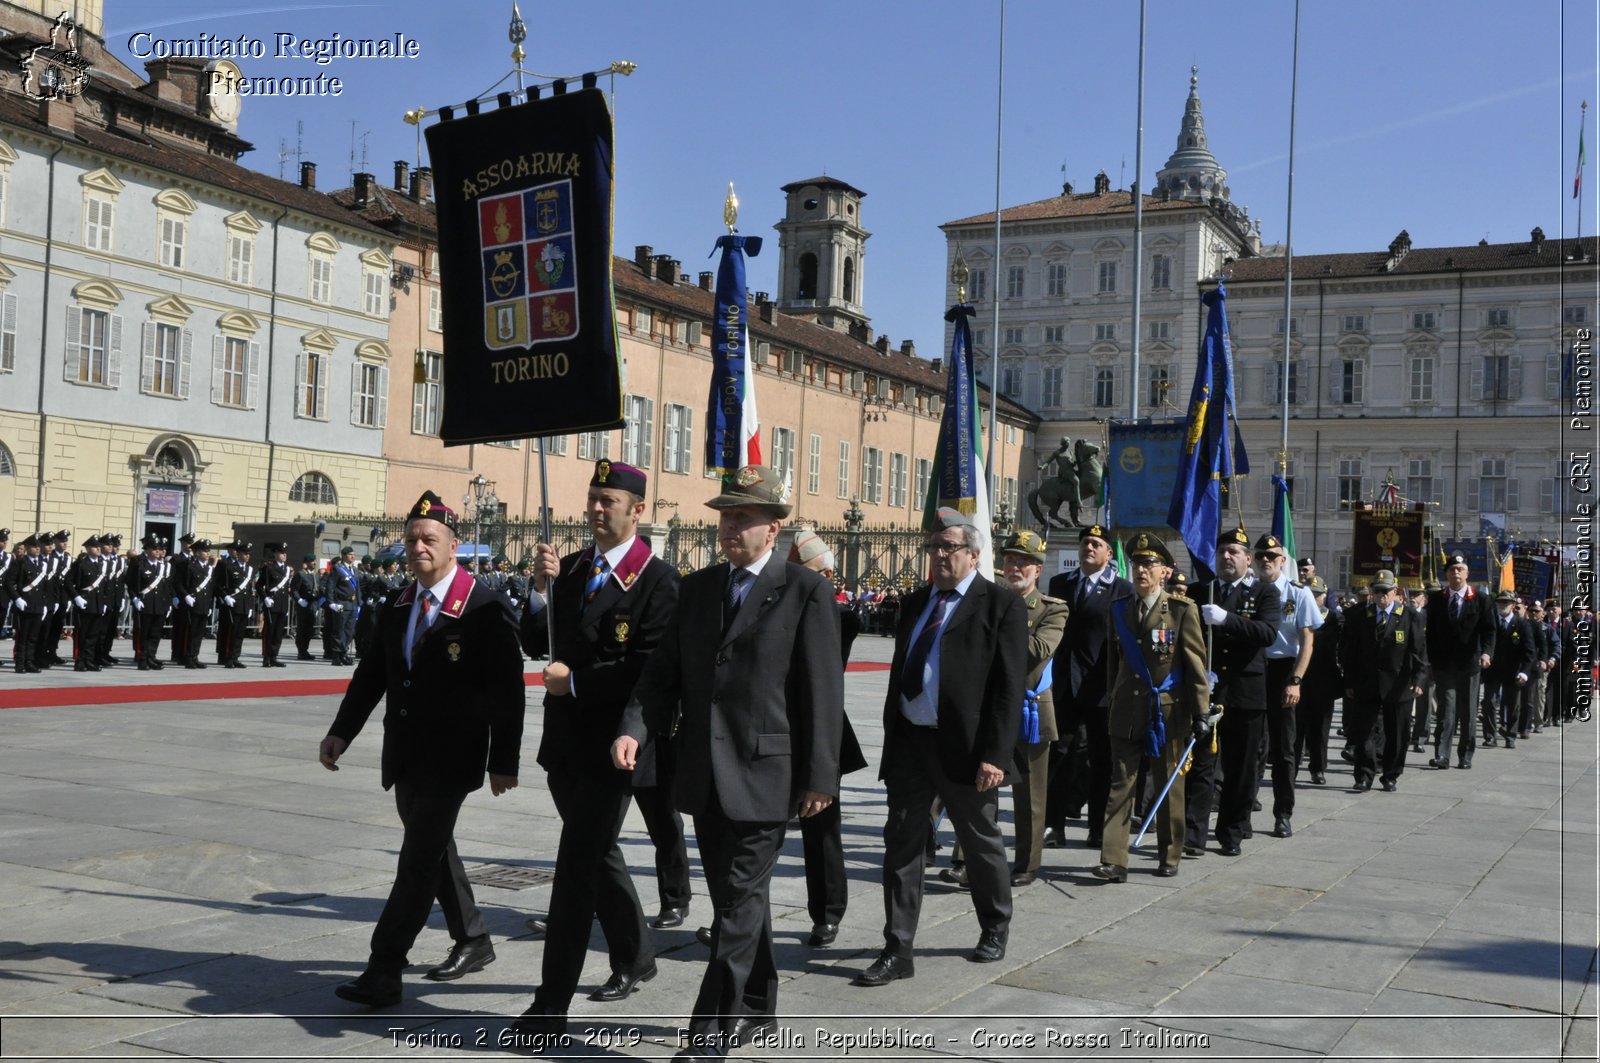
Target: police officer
{"x": 196, "y": 590}
{"x": 272, "y": 586}
{"x": 113, "y": 595}
{"x": 1288, "y": 659}
{"x": 60, "y": 598}
{"x": 307, "y": 600}
{"x": 236, "y": 600}
{"x": 28, "y": 600}
{"x": 178, "y": 566}
{"x": 87, "y": 577}
{"x": 373, "y": 592}
{"x": 149, "y": 583}
{"x": 341, "y": 593}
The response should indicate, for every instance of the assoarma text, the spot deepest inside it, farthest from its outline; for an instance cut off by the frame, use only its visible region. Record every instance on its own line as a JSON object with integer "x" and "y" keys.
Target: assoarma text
{"x": 531, "y": 367}
{"x": 533, "y": 164}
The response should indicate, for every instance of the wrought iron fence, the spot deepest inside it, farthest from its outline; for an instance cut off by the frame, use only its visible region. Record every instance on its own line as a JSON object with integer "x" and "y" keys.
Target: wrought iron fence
{"x": 513, "y": 538}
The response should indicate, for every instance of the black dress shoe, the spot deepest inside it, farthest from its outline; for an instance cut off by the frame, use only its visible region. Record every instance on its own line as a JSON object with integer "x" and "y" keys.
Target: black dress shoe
{"x": 885, "y": 969}
{"x": 1318, "y": 779}
{"x": 1511, "y": 742}
{"x": 1230, "y": 850}
{"x": 1388, "y": 786}
{"x": 1194, "y": 850}
{"x": 1255, "y": 805}
{"x": 474, "y": 954}
{"x": 823, "y": 934}
{"x": 669, "y": 918}
{"x": 1416, "y": 747}
{"x": 1052, "y": 838}
{"x": 538, "y": 926}
{"x": 956, "y": 875}
{"x": 1347, "y": 755}
{"x": 991, "y": 947}
{"x": 371, "y": 989}
{"x": 621, "y": 984}
{"x": 1441, "y": 763}
{"x": 1465, "y": 764}
{"x": 1110, "y": 872}
{"x": 1023, "y": 878}
{"x": 746, "y": 1027}
{"x": 304, "y": 657}
{"x": 198, "y": 664}
{"x": 157, "y": 665}
{"x": 144, "y": 666}
{"x": 1282, "y": 827}
{"x": 703, "y": 935}
{"x": 1167, "y": 871}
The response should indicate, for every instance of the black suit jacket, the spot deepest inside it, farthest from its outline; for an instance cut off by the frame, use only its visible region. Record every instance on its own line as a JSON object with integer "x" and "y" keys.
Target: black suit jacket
{"x": 1383, "y": 671}
{"x": 1454, "y": 644}
{"x": 1239, "y": 643}
{"x": 458, "y": 707}
{"x": 606, "y": 644}
{"x": 1516, "y": 651}
{"x": 1082, "y": 675}
{"x": 760, "y": 703}
{"x": 983, "y": 669}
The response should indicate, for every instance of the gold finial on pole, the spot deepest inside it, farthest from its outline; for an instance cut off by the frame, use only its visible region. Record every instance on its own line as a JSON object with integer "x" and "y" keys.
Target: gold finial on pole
{"x": 415, "y": 117}
{"x": 623, "y": 67}
{"x": 959, "y": 275}
{"x": 730, "y": 209}
{"x": 518, "y": 33}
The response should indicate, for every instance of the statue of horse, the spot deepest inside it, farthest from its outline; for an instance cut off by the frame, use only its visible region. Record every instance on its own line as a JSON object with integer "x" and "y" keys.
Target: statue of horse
{"x": 1079, "y": 474}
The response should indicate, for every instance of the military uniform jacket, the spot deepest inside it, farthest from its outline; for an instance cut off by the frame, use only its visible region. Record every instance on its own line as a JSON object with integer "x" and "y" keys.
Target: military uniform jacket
{"x": 1169, "y": 636}
{"x": 305, "y": 586}
{"x": 760, "y": 700}
{"x": 59, "y": 565}
{"x": 192, "y": 577}
{"x": 983, "y": 665}
{"x": 1383, "y": 668}
{"x": 1239, "y": 644}
{"x": 272, "y": 581}
{"x": 150, "y": 581}
{"x": 235, "y": 579}
{"x": 1515, "y": 650}
{"x": 1324, "y": 677}
{"x": 1455, "y": 643}
{"x": 1047, "y": 623}
{"x": 606, "y": 643}
{"x": 28, "y": 577}
{"x": 458, "y": 707}
{"x": 341, "y": 585}
{"x": 88, "y": 581}
{"x": 116, "y": 583}
{"x": 1080, "y": 672}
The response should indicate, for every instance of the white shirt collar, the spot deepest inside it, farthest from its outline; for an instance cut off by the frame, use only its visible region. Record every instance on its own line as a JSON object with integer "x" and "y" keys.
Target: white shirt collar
{"x": 755, "y": 567}
{"x": 437, "y": 590}
{"x": 615, "y": 555}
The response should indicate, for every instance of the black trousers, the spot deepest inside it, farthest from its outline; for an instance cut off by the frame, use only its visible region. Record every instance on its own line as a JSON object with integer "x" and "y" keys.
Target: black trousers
{"x": 1068, "y": 787}
{"x": 591, "y": 880}
{"x": 1200, "y": 793}
{"x": 1504, "y": 701}
{"x": 195, "y": 629}
{"x": 108, "y": 630}
{"x": 1280, "y": 737}
{"x": 1313, "y": 720}
{"x": 912, "y": 778}
{"x": 147, "y": 625}
{"x": 180, "y": 632}
{"x": 338, "y": 630}
{"x": 87, "y": 625}
{"x": 51, "y": 645}
{"x": 429, "y": 869}
{"x": 25, "y": 627}
{"x": 827, "y": 885}
{"x": 741, "y": 977}
{"x": 273, "y": 624}
{"x": 665, "y": 827}
{"x": 1238, "y": 737}
{"x": 1456, "y": 696}
{"x": 305, "y": 622}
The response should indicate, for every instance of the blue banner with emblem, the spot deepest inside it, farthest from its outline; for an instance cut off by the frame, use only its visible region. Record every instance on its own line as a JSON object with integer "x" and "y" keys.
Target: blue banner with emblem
{"x": 1142, "y": 468}
{"x": 523, "y": 198}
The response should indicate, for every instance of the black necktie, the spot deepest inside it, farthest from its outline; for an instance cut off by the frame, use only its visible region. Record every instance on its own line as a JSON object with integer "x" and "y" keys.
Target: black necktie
{"x": 1455, "y": 607}
{"x": 917, "y": 658}
{"x": 1083, "y": 592}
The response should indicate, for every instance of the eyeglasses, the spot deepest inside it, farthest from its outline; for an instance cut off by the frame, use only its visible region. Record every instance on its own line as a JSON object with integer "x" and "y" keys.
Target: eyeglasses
{"x": 943, "y": 549}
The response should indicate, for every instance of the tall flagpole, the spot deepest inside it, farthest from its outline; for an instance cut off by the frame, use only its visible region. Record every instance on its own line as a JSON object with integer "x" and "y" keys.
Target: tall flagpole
{"x": 1288, "y": 260}
{"x": 1138, "y": 226}
{"x": 1583, "y": 115}
{"x": 994, "y": 291}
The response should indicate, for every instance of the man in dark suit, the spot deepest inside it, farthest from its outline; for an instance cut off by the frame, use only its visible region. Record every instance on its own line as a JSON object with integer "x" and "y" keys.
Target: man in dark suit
{"x": 272, "y": 586}
{"x": 610, "y": 604}
{"x": 750, "y": 669}
{"x": 1323, "y": 684}
{"x": 1384, "y": 656}
{"x": 1461, "y": 639}
{"x": 1243, "y": 615}
{"x": 178, "y": 566}
{"x": 307, "y": 596}
{"x": 447, "y": 663}
{"x": 1160, "y": 694}
{"x": 951, "y": 719}
{"x": 1080, "y": 767}
{"x": 1514, "y": 664}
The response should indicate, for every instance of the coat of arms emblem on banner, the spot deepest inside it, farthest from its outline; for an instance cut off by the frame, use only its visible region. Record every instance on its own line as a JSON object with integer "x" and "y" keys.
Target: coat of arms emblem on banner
{"x": 530, "y": 287}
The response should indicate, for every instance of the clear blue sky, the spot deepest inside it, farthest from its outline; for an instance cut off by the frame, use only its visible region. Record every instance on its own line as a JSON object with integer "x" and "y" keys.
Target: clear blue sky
{"x": 1454, "y": 119}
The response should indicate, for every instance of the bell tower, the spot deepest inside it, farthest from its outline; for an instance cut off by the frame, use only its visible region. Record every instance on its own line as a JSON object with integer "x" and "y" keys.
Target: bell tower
{"x": 821, "y": 253}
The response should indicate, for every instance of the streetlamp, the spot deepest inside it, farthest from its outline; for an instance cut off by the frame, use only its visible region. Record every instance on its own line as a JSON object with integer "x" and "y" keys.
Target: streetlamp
{"x": 853, "y": 520}
{"x": 480, "y": 501}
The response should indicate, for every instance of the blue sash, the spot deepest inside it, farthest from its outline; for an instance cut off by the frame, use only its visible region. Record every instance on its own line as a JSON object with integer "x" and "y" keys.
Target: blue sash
{"x": 1030, "y": 704}
{"x": 1156, "y": 736}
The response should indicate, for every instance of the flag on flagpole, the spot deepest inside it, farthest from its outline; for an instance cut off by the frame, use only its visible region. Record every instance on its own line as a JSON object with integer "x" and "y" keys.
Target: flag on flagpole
{"x": 733, "y": 431}
{"x": 1283, "y": 516}
{"x": 1577, "y": 178}
{"x": 1119, "y": 556}
{"x": 1212, "y": 450}
{"x": 957, "y": 478}
{"x": 1508, "y": 573}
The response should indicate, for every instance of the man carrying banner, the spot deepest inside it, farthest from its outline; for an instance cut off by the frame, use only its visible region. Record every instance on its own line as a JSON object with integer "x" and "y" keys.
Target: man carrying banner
{"x": 1159, "y": 696}
{"x": 612, "y": 602}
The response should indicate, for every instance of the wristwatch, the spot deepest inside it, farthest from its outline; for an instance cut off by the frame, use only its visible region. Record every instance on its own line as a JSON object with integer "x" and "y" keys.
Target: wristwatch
{"x": 1294, "y": 680}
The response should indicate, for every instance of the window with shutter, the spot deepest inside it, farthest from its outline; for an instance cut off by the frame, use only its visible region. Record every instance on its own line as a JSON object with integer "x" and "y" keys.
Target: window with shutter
{"x": 8, "y": 333}
{"x": 1552, "y": 376}
{"x": 322, "y": 386}
{"x": 114, "y": 354}
{"x": 74, "y": 325}
{"x": 1514, "y": 378}
{"x": 217, "y": 344}
{"x": 383, "y": 396}
{"x": 252, "y": 383}
{"x": 147, "y": 357}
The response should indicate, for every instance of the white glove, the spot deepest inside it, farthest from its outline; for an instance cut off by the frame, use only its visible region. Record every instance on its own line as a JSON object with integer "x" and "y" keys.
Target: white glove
{"x": 1213, "y": 614}
{"x": 1522, "y": 677}
{"x": 22, "y": 603}
{"x": 227, "y": 599}
{"x": 301, "y": 602}
{"x": 81, "y": 602}
{"x": 336, "y": 607}
{"x": 188, "y": 599}
{"x": 267, "y": 601}
{"x": 138, "y": 604}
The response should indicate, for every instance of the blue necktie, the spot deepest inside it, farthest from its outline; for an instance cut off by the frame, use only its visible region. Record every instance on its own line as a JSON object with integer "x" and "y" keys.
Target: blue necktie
{"x": 738, "y": 586}
{"x": 917, "y": 659}
{"x": 597, "y": 578}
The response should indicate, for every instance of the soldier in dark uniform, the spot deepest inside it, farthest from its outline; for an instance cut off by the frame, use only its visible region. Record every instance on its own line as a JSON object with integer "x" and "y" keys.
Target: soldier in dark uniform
{"x": 1159, "y": 696}
{"x": 197, "y": 591}
{"x": 178, "y": 566}
{"x": 87, "y": 588}
{"x": 116, "y": 597}
{"x": 609, "y": 605}
{"x": 1513, "y": 666}
{"x": 272, "y": 587}
{"x": 149, "y": 586}
{"x": 1384, "y": 654}
{"x": 517, "y": 586}
{"x": 6, "y": 561}
{"x": 1544, "y": 655}
{"x": 1243, "y": 616}
{"x": 1080, "y": 767}
{"x": 307, "y": 600}
{"x": 236, "y": 603}
{"x": 28, "y": 605}
{"x": 60, "y": 599}
{"x": 1324, "y": 682}
{"x": 341, "y": 592}
{"x": 373, "y": 592}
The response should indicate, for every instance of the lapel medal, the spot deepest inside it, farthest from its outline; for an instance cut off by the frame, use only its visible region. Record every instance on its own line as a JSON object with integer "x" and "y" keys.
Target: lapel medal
{"x": 620, "y": 632}
{"x": 453, "y": 651}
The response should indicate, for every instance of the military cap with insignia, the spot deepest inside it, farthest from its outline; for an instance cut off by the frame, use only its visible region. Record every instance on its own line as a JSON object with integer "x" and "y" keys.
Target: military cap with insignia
{"x": 1147, "y": 547}
{"x": 5, "y": 535}
{"x": 350, "y": 551}
{"x": 1026, "y": 543}
{"x": 1383, "y": 581}
{"x": 522, "y": 566}
{"x": 1455, "y": 559}
{"x": 1179, "y": 579}
{"x": 431, "y": 507}
{"x": 239, "y": 547}
{"x": 200, "y": 544}
{"x": 114, "y": 539}
{"x": 32, "y": 540}
{"x": 1095, "y": 531}
{"x": 187, "y": 538}
{"x": 1318, "y": 585}
{"x": 615, "y": 474}
{"x": 152, "y": 541}
{"x": 91, "y": 543}
{"x": 808, "y": 546}
{"x": 308, "y": 559}
{"x": 1268, "y": 544}
{"x": 272, "y": 548}
{"x": 62, "y": 536}
{"x": 1505, "y": 596}
{"x": 754, "y": 485}
{"x": 1236, "y": 537}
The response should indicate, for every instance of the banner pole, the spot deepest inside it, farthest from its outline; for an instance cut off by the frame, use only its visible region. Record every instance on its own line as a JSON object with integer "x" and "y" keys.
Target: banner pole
{"x": 546, "y": 533}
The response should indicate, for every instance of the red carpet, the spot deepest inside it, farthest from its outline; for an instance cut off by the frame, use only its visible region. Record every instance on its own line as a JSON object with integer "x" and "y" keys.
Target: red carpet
{"x": 160, "y": 690}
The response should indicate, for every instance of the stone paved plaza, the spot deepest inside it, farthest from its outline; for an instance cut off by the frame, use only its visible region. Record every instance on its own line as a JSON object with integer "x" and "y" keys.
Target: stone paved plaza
{"x": 181, "y": 879}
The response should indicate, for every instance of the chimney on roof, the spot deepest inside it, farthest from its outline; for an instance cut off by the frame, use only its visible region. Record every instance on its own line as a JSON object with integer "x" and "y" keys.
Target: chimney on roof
{"x": 400, "y": 168}
{"x": 363, "y": 189}
{"x": 422, "y": 183}
{"x": 1066, "y": 188}
{"x": 763, "y": 297}
{"x": 883, "y": 345}
{"x": 860, "y": 331}
{"x": 1398, "y": 248}
{"x": 308, "y": 175}
{"x": 666, "y": 269}
{"x": 908, "y": 348}
{"x": 938, "y": 365}
{"x": 59, "y": 112}
{"x": 768, "y": 309}
{"x": 642, "y": 255}
{"x": 1102, "y": 183}
{"x": 1537, "y": 236}
{"x": 176, "y": 79}
{"x": 705, "y": 280}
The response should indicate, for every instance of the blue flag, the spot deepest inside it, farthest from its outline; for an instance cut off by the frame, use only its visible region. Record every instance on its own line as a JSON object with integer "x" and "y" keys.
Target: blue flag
{"x": 1211, "y": 450}
{"x": 957, "y": 477}
{"x": 733, "y": 431}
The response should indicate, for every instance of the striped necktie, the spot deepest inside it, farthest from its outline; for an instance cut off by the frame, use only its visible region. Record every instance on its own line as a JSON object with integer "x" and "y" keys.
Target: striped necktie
{"x": 917, "y": 659}
{"x": 597, "y": 578}
{"x": 424, "y": 607}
